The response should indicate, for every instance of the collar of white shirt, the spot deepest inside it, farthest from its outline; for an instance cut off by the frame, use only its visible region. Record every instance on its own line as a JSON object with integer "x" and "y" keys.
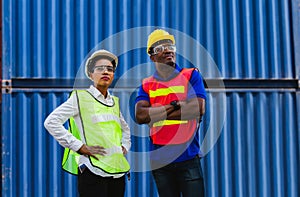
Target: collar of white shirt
{"x": 99, "y": 96}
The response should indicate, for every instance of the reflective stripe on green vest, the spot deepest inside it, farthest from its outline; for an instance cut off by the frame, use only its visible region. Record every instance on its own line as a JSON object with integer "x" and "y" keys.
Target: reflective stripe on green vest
{"x": 101, "y": 126}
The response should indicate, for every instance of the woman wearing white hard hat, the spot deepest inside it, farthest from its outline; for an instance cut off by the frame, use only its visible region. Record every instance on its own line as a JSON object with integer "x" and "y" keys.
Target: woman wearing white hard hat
{"x": 98, "y": 137}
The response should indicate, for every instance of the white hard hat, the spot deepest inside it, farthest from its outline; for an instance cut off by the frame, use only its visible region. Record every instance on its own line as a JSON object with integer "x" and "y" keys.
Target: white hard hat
{"x": 97, "y": 53}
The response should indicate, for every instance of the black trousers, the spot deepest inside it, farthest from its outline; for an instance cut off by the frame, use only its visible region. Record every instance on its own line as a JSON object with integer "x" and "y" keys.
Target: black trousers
{"x": 90, "y": 185}
{"x": 180, "y": 179}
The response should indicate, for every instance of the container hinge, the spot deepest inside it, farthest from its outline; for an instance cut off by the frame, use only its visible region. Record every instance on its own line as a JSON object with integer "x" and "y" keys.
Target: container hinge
{"x": 6, "y": 86}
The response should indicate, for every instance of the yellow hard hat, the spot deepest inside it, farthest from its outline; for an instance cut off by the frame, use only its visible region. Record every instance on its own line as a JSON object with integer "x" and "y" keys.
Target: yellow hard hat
{"x": 97, "y": 53}
{"x": 158, "y": 35}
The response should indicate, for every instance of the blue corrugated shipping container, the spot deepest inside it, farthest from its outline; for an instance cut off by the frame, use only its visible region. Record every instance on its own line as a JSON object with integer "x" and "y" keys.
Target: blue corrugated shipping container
{"x": 247, "y": 51}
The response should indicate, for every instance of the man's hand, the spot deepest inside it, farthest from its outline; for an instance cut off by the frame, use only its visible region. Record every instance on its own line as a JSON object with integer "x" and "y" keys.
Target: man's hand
{"x": 147, "y": 114}
{"x": 92, "y": 151}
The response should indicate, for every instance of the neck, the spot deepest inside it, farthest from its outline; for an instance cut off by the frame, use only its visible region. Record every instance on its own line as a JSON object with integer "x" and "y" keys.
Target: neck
{"x": 103, "y": 90}
{"x": 165, "y": 70}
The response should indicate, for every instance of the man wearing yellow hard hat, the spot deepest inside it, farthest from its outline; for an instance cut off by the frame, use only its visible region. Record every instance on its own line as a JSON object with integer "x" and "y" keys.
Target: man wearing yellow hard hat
{"x": 98, "y": 136}
{"x": 172, "y": 103}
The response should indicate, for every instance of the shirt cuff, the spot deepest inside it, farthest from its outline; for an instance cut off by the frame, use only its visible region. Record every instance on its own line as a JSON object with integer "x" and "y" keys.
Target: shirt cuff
{"x": 76, "y": 146}
{"x": 126, "y": 146}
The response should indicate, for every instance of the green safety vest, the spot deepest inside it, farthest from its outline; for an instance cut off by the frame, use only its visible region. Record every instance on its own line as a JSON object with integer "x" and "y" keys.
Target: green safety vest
{"x": 101, "y": 126}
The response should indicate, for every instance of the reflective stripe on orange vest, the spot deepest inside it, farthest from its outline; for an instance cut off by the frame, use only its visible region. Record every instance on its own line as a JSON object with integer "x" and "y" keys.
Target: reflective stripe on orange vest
{"x": 166, "y": 91}
{"x": 169, "y": 122}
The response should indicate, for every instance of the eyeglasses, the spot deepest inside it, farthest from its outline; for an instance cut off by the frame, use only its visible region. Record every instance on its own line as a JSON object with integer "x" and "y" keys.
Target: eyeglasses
{"x": 102, "y": 68}
{"x": 161, "y": 48}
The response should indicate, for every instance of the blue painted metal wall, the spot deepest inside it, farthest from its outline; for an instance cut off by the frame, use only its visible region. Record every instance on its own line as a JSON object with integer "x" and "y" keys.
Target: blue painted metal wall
{"x": 247, "y": 39}
{"x": 257, "y": 153}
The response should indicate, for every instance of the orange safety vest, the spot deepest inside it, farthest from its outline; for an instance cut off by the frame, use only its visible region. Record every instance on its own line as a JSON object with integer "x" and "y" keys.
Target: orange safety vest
{"x": 162, "y": 93}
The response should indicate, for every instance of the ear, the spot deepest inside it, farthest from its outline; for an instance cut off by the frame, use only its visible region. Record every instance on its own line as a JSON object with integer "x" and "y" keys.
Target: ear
{"x": 90, "y": 75}
{"x": 152, "y": 57}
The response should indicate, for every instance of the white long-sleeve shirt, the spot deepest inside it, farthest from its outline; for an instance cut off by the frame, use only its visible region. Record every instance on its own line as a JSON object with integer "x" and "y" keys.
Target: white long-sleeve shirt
{"x": 55, "y": 121}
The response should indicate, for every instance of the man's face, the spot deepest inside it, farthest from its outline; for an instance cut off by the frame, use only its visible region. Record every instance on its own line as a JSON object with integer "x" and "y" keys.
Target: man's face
{"x": 103, "y": 73}
{"x": 165, "y": 54}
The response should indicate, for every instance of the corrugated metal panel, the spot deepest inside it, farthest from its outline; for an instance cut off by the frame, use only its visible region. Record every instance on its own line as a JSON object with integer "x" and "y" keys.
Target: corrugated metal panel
{"x": 247, "y": 39}
{"x": 258, "y": 151}
{"x": 30, "y": 155}
{"x": 249, "y": 159}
